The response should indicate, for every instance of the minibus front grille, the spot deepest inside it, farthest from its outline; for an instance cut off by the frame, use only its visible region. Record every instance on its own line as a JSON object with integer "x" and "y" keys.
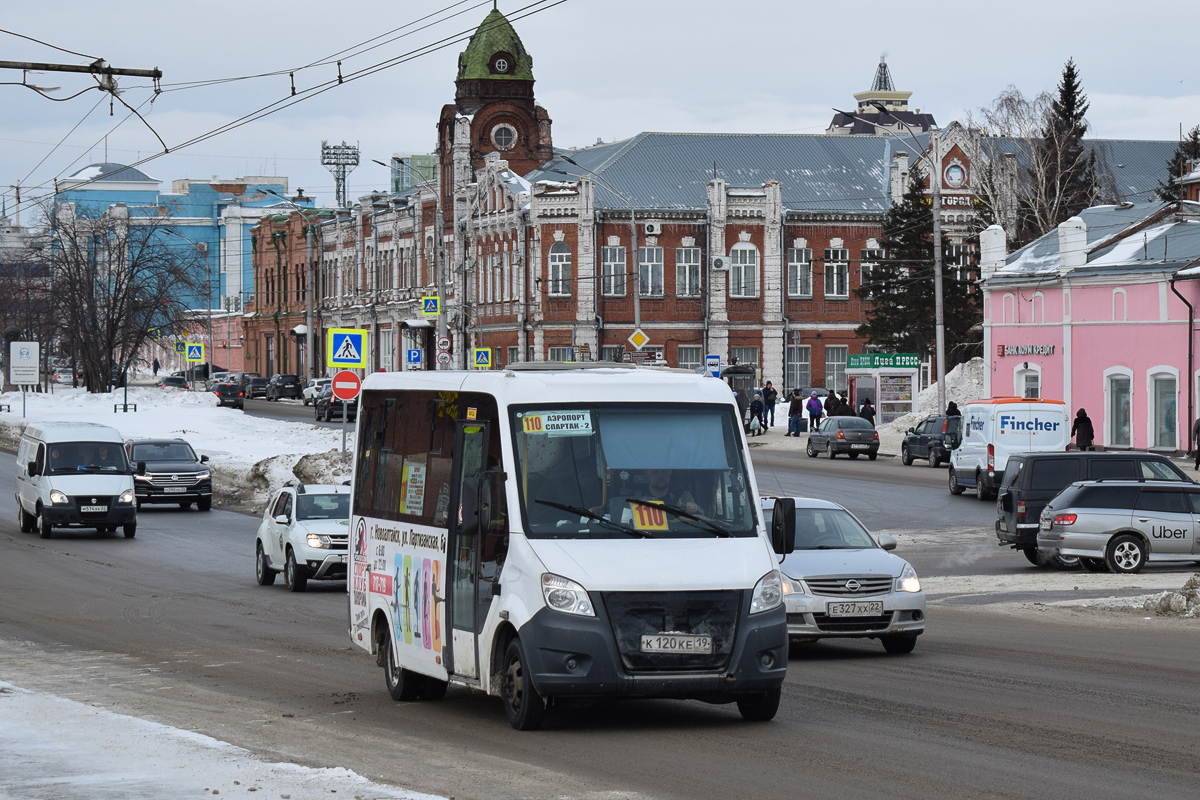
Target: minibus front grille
{"x": 103, "y": 501}
{"x": 634, "y": 614}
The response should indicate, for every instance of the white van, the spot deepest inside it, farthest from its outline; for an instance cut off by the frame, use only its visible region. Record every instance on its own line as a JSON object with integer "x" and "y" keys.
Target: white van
{"x": 996, "y": 428}
{"x": 74, "y": 474}
{"x": 553, "y": 532}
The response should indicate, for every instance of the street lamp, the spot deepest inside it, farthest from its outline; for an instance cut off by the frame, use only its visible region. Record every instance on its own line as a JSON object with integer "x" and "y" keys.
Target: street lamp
{"x": 935, "y": 184}
{"x": 308, "y": 285}
{"x": 633, "y": 248}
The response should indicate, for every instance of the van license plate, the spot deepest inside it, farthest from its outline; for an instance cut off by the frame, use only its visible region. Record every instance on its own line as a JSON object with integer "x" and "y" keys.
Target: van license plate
{"x": 93, "y": 509}
{"x": 175, "y": 489}
{"x": 857, "y": 608}
{"x": 676, "y": 643}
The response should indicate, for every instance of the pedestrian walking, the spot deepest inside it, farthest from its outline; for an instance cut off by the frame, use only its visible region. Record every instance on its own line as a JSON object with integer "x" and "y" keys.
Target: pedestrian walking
{"x": 1196, "y": 443}
{"x": 867, "y": 412}
{"x": 155, "y": 367}
{"x": 1083, "y": 431}
{"x": 795, "y": 414}
{"x": 770, "y": 397}
{"x": 756, "y": 415}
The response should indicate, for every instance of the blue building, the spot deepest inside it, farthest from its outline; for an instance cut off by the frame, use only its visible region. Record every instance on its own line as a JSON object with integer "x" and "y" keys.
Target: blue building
{"x": 214, "y": 216}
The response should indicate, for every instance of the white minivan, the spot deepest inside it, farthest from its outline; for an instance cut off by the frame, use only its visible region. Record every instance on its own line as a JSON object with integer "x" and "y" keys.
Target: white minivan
{"x": 553, "y": 532}
{"x": 74, "y": 475}
{"x": 995, "y": 428}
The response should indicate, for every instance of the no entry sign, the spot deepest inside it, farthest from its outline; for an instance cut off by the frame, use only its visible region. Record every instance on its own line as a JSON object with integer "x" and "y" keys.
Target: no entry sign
{"x": 346, "y": 385}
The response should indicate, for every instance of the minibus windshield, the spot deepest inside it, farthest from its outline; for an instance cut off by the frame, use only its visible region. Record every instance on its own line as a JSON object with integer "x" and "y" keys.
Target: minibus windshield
{"x": 608, "y": 470}
{"x": 67, "y": 457}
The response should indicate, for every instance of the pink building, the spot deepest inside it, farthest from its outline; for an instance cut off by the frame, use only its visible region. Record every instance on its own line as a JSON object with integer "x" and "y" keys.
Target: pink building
{"x": 1101, "y": 314}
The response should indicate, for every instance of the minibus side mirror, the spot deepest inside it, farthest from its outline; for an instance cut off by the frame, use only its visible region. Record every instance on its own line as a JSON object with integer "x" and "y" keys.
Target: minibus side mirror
{"x": 141, "y": 468}
{"x": 783, "y": 526}
{"x": 32, "y": 468}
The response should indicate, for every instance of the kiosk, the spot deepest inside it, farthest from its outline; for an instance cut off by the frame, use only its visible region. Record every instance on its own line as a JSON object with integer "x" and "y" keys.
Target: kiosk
{"x": 889, "y": 380}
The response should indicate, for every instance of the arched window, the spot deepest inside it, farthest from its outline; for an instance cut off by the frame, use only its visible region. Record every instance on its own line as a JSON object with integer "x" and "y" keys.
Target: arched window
{"x": 1118, "y": 407}
{"x": 1027, "y": 380}
{"x": 559, "y": 270}
{"x": 1162, "y": 385}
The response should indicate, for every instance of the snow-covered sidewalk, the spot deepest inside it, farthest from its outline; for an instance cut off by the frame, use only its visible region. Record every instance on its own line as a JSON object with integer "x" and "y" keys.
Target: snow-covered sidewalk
{"x": 57, "y": 748}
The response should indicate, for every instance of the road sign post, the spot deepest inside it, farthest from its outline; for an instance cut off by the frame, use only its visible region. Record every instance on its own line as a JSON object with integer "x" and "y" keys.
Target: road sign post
{"x": 346, "y": 386}
{"x": 24, "y": 360}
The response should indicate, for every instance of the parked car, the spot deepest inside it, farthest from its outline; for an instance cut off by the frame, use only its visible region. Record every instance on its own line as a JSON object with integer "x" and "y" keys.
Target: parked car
{"x": 255, "y": 387}
{"x": 230, "y": 394}
{"x": 932, "y": 439}
{"x": 168, "y": 471}
{"x": 839, "y": 582}
{"x": 309, "y": 395}
{"x": 853, "y": 436}
{"x": 304, "y": 534}
{"x": 1120, "y": 525}
{"x": 280, "y": 386}
{"x": 1032, "y": 479}
{"x": 329, "y": 408}
{"x": 172, "y": 382}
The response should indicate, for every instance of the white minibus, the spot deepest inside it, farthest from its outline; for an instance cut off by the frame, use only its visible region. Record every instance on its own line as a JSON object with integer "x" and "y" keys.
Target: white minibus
{"x": 554, "y": 531}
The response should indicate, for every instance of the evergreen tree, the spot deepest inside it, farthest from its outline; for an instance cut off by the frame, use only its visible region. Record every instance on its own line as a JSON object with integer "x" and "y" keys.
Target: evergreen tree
{"x": 1188, "y": 150}
{"x": 900, "y": 287}
{"x": 1063, "y": 171}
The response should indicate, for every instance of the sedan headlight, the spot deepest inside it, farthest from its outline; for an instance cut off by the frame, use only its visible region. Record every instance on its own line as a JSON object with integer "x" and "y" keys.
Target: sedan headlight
{"x": 908, "y": 582}
{"x": 318, "y": 540}
{"x": 793, "y": 586}
{"x": 768, "y": 592}
{"x": 126, "y": 497}
{"x": 566, "y": 596}
{"x": 58, "y": 498}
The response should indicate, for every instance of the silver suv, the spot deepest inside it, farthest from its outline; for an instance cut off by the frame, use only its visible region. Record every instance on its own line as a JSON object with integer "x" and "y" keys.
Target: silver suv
{"x": 1119, "y": 525}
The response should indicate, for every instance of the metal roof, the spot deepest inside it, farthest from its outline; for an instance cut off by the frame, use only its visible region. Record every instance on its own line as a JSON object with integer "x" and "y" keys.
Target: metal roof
{"x": 671, "y": 171}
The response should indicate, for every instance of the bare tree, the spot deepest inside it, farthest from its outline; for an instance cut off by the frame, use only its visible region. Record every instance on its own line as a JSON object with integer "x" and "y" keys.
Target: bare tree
{"x": 116, "y": 278}
{"x": 25, "y": 286}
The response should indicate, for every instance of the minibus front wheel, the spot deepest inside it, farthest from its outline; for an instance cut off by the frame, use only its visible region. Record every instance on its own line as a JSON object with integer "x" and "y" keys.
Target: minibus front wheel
{"x": 523, "y": 706}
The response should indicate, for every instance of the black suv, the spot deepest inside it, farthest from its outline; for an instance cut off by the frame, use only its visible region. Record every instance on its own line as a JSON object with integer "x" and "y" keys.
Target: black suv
{"x": 932, "y": 439}
{"x": 329, "y": 408}
{"x": 168, "y": 471}
{"x": 230, "y": 393}
{"x": 283, "y": 386}
{"x": 1031, "y": 480}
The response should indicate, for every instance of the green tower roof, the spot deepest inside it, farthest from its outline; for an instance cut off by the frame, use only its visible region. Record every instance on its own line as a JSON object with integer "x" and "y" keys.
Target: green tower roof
{"x": 494, "y": 35}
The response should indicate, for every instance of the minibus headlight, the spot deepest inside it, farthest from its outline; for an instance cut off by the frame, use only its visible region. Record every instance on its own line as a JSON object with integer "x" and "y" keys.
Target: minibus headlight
{"x": 566, "y": 596}
{"x": 908, "y": 582}
{"x": 126, "y": 497}
{"x": 768, "y": 592}
{"x": 58, "y": 498}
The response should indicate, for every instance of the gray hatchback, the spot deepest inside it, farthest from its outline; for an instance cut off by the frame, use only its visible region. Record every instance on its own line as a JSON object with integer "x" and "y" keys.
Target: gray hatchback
{"x": 850, "y": 435}
{"x": 1119, "y": 525}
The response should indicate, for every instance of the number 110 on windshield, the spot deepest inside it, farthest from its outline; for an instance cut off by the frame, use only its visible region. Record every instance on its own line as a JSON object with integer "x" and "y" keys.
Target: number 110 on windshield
{"x": 649, "y": 517}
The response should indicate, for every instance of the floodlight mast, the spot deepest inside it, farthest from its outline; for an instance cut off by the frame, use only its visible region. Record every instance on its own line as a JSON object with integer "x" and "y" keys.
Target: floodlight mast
{"x": 340, "y": 160}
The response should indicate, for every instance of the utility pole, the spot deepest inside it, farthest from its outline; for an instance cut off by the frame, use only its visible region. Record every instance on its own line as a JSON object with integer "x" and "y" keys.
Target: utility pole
{"x": 18, "y": 211}
{"x": 97, "y": 68}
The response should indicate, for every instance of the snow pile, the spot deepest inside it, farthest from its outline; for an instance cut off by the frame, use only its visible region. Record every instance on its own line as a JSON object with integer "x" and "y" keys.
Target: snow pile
{"x": 964, "y": 383}
{"x": 1183, "y": 603}
{"x": 249, "y": 456}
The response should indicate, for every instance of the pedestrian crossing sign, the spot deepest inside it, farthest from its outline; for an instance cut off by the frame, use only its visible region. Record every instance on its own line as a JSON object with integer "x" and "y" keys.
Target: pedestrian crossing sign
{"x": 195, "y": 353}
{"x": 346, "y": 348}
{"x": 181, "y": 347}
{"x": 431, "y": 306}
{"x": 482, "y": 357}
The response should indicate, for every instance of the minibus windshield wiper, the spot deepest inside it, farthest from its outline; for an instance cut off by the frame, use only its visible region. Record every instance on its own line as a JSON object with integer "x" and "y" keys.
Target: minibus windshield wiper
{"x": 583, "y": 512}
{"x": 683, "y": 512}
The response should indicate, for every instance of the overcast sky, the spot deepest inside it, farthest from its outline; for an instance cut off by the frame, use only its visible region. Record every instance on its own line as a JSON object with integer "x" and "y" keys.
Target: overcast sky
{"x": 605, "y": 69}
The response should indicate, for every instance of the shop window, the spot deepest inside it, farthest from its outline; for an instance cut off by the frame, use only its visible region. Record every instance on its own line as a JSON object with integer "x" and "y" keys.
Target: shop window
{"x": 1166, "y": 413}
{"x": 1119, "y": 403}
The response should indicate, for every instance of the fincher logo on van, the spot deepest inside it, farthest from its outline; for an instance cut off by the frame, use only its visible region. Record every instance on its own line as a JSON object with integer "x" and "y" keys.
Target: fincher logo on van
{"x": 1027, "y": 425}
